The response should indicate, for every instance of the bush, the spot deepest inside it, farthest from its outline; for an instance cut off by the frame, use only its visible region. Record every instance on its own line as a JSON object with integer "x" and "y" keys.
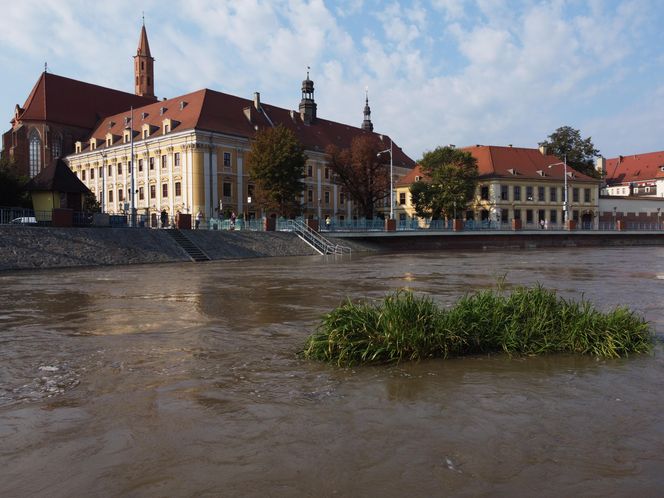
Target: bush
{"x": 529, "y": 321}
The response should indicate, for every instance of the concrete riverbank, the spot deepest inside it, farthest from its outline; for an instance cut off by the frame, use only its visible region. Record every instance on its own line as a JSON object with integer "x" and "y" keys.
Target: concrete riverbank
{"x": 24, "y": 248}
{"x": 39, "y": 247}
{"x": 487, "y": 240}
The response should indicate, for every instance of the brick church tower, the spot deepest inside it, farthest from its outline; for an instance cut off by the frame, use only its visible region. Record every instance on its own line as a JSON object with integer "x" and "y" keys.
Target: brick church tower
{"x": 144, "y": 67}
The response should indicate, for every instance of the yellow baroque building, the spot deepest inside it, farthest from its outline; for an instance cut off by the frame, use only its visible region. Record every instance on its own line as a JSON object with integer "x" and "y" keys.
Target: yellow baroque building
{"x": 190, "y": 154}
{"x": 518, "y": 184}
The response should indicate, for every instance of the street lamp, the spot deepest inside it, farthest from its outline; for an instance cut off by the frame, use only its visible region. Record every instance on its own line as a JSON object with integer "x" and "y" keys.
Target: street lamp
{"x": 103, "y": 180}
{"x": 391, "y": 177}
{"x": 564, "y": 163}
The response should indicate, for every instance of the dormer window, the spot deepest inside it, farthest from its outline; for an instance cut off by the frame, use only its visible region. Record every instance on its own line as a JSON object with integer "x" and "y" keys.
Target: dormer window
{"x": 111, "y": 124}
{"x": 78, "y": 147}
{"x": 541, "y": 172}
{"x": 144, "y": 115}
{"x": 93, "y": 144}
{"x": 109, "y": 139}
{"x": 126, "y": 137}
{"x": 511, "y": 171}
{"x": 418, "y": 178}
{"x": 167, "y": 125}
{"x": 183, "y": 104}
{"x": 127, "y": 119}
{"x": 145, "y": 131}
{"x": 162, "y": 111}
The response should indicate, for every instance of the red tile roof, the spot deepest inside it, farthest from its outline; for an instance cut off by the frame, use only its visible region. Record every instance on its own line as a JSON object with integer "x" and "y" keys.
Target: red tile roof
{"x": 511, "y": 162}
{"x": 209, "y": 110}
{"x": 635, "y": 168}
{"x": 70, "y": 102}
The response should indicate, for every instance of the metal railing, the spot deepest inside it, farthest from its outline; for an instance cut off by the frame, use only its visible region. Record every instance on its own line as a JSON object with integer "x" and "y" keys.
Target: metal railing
{"x": 24, "y": 216}
{"x": 319, "y": 243}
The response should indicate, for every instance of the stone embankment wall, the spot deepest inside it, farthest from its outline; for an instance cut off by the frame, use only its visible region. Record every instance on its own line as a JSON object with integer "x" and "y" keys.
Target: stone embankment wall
{"x": 39, "y": 247}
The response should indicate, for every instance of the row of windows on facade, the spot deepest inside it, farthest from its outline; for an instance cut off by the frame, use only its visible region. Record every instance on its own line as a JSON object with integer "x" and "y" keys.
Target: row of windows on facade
{"x": 310, "y": 172}
{"x": 530, "y": 194}
{"x": 516, "y": 194}
{"x": 151, "y": 163}
{"x": 226, "y": 192}
{"x": 153, "y": 192}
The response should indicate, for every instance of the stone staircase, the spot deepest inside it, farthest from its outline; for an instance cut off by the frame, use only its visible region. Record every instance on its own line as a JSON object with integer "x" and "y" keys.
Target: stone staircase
{"x": 195, "y": 253}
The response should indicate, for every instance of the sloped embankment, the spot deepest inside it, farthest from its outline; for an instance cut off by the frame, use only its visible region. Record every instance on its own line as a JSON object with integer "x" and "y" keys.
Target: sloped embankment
{"x": 38, "y": 247}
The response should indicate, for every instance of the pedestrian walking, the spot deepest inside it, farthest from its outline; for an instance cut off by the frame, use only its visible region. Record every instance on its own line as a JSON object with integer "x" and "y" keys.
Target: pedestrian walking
{"x": 199, "y": 218}
{"x": 164, "y": 218}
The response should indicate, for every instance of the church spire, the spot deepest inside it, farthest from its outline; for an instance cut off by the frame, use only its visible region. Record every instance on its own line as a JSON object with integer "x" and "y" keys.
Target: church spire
{"x": 367, "y": 125}
{"x": 144, "y": 66}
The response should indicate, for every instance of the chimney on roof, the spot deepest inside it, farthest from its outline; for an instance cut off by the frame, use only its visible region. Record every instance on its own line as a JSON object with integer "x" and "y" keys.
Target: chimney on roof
{"x": 600, "y": 166}
{"x": 257, "y": 101}
{"x": 543, "y": 149}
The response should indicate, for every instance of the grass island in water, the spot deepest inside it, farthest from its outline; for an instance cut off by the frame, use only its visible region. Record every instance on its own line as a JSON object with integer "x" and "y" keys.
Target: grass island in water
{"x": 528, "y": 321}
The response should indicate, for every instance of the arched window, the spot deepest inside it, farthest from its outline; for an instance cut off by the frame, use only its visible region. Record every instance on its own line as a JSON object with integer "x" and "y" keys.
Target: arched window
{"x": 35, "y": 152}
{"x": 56, "y": 146}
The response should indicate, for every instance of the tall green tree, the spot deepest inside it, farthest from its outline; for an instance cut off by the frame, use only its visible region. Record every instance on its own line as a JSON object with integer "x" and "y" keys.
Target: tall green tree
{"x": 276, "y": 166}
{"x": 91, "y": 204}
{"x": 580, "y": 152}
{"x": 362, "y": 172}
{"x": 450, "y": 183}
{"x": 12, "y": 186}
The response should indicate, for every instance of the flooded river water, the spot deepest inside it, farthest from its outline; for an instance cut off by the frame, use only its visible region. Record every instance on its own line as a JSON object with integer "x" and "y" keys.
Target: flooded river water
{"x": 183, "y": 380}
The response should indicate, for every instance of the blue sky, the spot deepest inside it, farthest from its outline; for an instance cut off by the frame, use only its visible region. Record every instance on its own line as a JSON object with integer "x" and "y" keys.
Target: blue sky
{"x": 493, "y": 72}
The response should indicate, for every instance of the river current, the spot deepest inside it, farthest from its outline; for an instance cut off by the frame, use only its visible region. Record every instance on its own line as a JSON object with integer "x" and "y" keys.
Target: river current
{"x": 184, "y": 380}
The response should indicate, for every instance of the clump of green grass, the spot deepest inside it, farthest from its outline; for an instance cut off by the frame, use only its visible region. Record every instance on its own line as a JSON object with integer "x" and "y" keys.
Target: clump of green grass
{"x": 528, "y": 321}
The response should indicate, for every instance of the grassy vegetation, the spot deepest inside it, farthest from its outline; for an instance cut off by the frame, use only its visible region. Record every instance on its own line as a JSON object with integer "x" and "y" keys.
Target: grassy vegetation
{"x": 528, "y": 321}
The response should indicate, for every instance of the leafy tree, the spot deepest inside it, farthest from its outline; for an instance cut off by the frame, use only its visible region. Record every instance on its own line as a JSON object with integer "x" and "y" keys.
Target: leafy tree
{"x": 362, "y": 172}
{"x": 451, "y": 180}
{"x": 276, "y": 166}
{"x": 91, "y": 204}
{"x": 580, "y": 151}
{"x": 12, "y": 186}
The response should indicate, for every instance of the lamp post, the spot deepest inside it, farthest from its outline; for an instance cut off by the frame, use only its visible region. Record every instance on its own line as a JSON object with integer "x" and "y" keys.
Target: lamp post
{"x": 564, "y": 163}
{"x": 391, "y": 178}
{"x": 103, "y": 181}
{"x": 131, "y": 165}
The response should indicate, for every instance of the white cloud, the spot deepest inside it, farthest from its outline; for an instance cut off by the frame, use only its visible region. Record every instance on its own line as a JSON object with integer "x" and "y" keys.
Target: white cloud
{"x": 481, "y": 71}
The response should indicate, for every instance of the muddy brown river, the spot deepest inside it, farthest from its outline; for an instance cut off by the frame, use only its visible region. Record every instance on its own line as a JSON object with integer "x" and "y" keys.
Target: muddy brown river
{"x": 183, "y": 380}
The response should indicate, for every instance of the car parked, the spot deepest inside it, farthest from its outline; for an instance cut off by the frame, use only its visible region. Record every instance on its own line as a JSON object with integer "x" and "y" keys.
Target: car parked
{"x": 24, "y": 220}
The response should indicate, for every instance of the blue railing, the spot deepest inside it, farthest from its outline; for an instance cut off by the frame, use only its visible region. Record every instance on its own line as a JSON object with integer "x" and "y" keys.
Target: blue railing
{"x": 23, "y": 216}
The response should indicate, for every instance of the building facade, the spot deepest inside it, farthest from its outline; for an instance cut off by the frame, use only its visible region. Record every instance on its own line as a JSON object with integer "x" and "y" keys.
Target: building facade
{"x": 190, "y": 152}
{"x": 636, "y": 175}
{"x": 519, "y": 184}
